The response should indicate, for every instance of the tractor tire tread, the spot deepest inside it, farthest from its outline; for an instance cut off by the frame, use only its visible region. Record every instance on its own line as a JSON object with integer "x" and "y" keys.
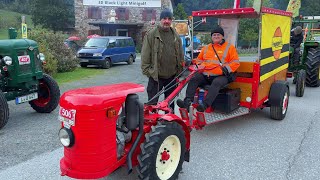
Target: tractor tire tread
{"x": 149, "y": 149}
{"x": 313, "y": 68}
{"x": 4, "y": 110}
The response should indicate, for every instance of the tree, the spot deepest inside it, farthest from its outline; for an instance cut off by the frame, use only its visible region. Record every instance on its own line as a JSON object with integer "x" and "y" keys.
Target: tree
{"x": 179, "y": 12}
{"x": 249, "y": 28}
{"x": 56, "y": 15}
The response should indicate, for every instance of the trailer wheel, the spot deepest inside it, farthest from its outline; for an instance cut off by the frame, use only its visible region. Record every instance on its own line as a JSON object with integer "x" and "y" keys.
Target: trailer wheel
{"x": 278, "y": 112}
{"x": 162, "y": 153}
{"x": 300, "y": 83}
{"x": 48, "y": 95}
{"x": 4, "y": 110}
{"x": 313, "y": 68}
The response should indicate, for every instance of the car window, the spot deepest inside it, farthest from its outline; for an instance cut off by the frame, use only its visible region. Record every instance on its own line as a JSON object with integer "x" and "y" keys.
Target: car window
{"x": 112, "y": 43}
{"x": 97, "y": 42}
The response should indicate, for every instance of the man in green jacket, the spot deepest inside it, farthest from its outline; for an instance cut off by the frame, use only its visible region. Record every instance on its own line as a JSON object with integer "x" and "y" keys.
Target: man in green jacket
{"x": 161, "y": 56}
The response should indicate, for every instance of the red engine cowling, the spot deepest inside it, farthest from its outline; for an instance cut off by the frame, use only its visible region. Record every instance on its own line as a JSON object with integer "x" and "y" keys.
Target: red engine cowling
{"x": 90, "y": 115}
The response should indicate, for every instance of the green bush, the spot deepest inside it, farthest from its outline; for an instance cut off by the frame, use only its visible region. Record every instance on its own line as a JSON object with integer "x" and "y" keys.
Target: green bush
{"x": 55, "y": 49}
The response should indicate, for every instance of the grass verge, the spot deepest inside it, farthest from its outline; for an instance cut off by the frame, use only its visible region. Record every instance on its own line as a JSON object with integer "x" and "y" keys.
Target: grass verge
{"x": 78, "y": 74}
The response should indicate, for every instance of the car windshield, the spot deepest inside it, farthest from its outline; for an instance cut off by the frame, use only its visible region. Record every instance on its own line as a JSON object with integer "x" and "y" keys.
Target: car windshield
{"x": 97, "y": 42}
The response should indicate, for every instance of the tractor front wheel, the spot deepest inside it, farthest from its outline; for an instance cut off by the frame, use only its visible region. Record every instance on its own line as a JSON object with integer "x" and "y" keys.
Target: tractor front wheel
{"x": 162, "y": 153}
{"x": 313, "y": 68}
{"x": 4, "y": 110}
{"x": 300, "y": 83}
{"x": 48, "y": 95}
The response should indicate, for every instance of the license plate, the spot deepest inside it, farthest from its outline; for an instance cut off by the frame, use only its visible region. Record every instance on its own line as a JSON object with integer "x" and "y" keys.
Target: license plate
{"x": 26, "y": 98}
{"x": 84, "y": 60}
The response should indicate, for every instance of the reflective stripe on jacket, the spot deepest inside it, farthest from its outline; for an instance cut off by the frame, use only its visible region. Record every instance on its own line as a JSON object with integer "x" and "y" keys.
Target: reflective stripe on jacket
{"x": 228, "y": 56}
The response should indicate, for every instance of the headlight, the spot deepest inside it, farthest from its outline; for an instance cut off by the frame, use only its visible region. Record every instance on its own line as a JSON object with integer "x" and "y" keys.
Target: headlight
{"x": 42, "y": 57}
{"x": 97, "y": 54}
{"x": 7, "y": 60}
{"x": 66, "y": 137}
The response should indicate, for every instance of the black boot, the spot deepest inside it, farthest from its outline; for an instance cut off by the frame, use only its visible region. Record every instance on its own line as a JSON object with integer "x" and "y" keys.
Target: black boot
{"x": 202, "y": 107}
{"x": 185, "y": 103}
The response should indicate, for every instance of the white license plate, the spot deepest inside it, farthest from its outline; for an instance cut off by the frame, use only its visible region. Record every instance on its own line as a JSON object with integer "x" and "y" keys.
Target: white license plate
{"x": 26, "y": 98}
{"x": 84, "y": 60}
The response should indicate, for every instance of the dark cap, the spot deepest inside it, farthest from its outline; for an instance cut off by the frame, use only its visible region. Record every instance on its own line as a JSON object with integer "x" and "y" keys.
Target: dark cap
{"x": 166, "y": 13}
{"x": 218, "y": 30}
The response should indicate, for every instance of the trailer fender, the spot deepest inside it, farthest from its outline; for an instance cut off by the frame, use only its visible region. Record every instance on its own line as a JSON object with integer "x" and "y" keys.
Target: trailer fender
{"x": 276, "y": 92}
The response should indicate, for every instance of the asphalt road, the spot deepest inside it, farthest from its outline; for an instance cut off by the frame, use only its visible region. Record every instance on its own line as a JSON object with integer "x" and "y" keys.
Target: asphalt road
{"x": 248, "y": 147}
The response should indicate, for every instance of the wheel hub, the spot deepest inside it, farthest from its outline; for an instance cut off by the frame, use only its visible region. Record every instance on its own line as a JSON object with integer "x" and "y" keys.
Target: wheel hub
{"x": 165, "y": 156}
{"x": 168, "y": 157}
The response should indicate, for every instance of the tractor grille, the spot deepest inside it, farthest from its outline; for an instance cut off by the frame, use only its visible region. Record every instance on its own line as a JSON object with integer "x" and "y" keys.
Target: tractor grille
{"x": 85, "y": 54}
{"x": 25, "y": 69}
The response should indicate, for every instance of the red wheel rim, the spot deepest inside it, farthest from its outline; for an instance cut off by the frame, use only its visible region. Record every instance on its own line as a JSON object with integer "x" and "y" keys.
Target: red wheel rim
{"x": 43, "y": 95}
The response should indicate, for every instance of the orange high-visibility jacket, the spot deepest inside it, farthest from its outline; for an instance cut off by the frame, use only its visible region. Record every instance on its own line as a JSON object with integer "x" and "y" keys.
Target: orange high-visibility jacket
{"x": 227, "y": 53}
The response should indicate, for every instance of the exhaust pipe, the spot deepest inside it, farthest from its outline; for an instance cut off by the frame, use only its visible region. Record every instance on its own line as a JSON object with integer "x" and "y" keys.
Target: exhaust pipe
{"x": 134, "y": 146}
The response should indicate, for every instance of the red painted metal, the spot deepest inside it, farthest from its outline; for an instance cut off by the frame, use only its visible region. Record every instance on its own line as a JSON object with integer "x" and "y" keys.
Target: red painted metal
{"x": 94, "y": 154}
{"x": 248, "y": 11}
{"x": 289, "y": 74}
{"x": 236, "y": 4}
{"x": 44, "y": 95}
{"x": 275, "y": 11}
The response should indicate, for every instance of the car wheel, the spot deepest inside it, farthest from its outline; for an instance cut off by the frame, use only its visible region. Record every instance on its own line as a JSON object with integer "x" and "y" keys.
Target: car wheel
{"x": 106, "y": 64}
{"x": 130, "y": 60}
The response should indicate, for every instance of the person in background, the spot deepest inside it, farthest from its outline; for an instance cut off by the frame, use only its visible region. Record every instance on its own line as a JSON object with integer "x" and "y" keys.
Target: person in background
{"x": 295, "y": 42}
{"x": 161, "y": 57}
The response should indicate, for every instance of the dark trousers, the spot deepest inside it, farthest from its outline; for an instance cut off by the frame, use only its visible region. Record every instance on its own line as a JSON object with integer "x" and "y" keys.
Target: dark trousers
{"x": 215, "y": 82}
{"x": 155, "y": 86}
{"x": 296, "y": 56}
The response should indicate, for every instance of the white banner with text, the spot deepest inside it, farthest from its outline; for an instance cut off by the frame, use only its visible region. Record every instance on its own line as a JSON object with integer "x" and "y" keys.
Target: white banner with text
{"x": 132, "y": 3}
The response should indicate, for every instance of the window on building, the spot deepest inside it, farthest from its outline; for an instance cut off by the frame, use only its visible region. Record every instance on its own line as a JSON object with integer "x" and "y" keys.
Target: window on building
{"x": 122, "y": 13}
{"x": 148, "y": 14}
{"x": 94, "y": 13}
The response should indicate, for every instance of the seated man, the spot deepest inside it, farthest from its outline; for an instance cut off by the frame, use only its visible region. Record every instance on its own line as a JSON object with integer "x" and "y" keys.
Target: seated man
{"x": 221, "y": 60}
{"x": 295, "y": 41}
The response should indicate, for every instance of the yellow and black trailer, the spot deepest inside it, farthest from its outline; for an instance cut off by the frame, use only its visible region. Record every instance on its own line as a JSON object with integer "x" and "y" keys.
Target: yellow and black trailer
{"x": 262, "y": 81}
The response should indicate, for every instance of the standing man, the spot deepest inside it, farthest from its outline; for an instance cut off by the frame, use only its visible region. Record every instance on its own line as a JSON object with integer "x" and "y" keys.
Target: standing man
{"x": 220, "y": 59}
{"x": 161, "y": 56}
{"x": 295, "y": 42}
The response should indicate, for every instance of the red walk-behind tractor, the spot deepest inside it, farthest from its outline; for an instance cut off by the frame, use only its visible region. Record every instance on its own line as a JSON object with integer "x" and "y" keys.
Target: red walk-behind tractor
{"x": 106, "y": 127}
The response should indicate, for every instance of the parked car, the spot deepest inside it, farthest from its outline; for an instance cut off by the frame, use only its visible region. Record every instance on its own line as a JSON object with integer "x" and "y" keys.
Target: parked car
{"x": 106, "y": 50}
{"x": 72, "y": 44}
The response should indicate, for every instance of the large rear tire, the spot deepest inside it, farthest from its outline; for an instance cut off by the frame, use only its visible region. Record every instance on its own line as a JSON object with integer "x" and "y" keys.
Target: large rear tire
{"x": 48, "y": 95}
{"x": 4, "y": 110}
{"x": 162, "y": 153}
{"x": 313, "y": 68}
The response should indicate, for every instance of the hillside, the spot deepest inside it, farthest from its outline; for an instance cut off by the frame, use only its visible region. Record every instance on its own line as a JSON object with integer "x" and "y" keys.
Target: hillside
{"x": 11, "y": 19}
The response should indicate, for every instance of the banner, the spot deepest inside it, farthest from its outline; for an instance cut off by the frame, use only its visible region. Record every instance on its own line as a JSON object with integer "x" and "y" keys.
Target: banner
{"x": 122, "y": 3}
{"x": 275, "y": 39}
{"x": 230, "y": 27}
{"x": 294, "y": 6}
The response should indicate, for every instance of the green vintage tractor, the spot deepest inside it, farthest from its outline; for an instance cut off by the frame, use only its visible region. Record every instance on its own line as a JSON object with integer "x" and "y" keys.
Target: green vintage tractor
{"x": 307, "y": 71}
{"x": 22, "y": 78}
